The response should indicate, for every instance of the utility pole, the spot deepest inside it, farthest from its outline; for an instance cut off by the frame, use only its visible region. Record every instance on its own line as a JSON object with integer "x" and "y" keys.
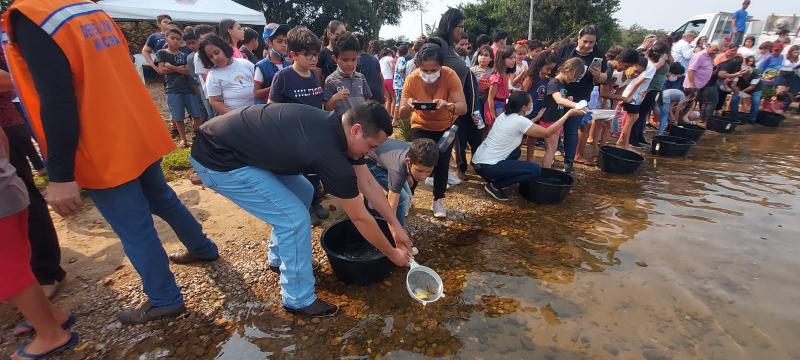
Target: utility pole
{"x": 530, "y": 22}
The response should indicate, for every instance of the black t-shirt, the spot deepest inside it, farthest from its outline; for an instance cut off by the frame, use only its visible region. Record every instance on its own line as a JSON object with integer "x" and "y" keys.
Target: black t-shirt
{"x": 582, "y": 89}
{"x": 326, "y": 62}
{"x": 369, "y": 66}
{"x": 729, "y": 66}
{"x": 553, "y": 111}
{"x": 286, "y": 139}
{"x": 175, "y": 82}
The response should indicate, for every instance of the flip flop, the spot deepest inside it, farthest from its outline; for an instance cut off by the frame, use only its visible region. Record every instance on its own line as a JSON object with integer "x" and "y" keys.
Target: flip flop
{"x": 74, "y": 339}
{"x": 29, "y": 328}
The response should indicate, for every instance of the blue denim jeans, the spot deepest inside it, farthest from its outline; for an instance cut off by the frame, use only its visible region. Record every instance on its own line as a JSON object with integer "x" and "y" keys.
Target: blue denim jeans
{"x": 755, "y": 103}
{"x": 664, "y": 118}
{"x": 382, "y": 177}
{"x": 509, "y": 171}
{"x": 283, "y": 202}
{"x": 128, "y": 208}
{"x": 571, "y": 138}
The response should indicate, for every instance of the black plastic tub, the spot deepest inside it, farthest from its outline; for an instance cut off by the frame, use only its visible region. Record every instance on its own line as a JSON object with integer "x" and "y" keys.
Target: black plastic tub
{"x": 614, "y": 160}
{"x": 551, "y": 187}
{"x": 663, "y": 145}
{"x": 741, "y": 117}
{"x": 687, "y": 131}
{"x": 770, "y": 119}
{"x": 352, "y": 258}
{"x": 721, "y": 124}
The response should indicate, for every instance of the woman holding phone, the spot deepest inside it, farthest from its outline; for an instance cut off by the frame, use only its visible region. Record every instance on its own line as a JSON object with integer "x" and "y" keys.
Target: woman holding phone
{"x": 433, "y": 97}
{"x": 581, "y": 89}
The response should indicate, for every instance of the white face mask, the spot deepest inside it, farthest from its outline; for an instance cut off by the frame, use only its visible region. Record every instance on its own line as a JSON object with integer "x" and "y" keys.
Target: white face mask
{"x": 430, "y": 78}
{"x": 672, "y": 77}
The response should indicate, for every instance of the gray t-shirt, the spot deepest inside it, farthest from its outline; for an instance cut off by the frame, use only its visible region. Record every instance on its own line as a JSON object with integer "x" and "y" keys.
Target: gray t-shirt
{"x": 13, "y": 195}
{"x": 357, "y": 84}
{"x": 391, "y": 155}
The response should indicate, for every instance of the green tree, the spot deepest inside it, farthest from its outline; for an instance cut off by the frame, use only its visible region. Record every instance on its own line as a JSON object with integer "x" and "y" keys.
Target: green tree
{"x": 632, "y": 36}
{"x": 553, "y": 20}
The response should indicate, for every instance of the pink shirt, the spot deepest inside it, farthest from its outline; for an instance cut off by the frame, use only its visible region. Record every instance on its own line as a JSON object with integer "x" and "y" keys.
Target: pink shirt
{"x": 501, "y": 81}
{"x": 703, "y": 66}
{"x": 238, "y": 54}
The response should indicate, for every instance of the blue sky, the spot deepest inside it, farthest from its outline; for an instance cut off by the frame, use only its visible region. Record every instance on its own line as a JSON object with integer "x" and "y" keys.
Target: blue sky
{"x": 631, "y": 12}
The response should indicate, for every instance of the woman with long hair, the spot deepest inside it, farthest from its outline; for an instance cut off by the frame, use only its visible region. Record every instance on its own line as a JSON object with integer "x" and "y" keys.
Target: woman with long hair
{"x": 231, "y": 31}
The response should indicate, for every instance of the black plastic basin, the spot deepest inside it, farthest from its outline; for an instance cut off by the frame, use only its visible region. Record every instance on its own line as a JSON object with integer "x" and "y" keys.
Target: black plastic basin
{"x": 551, "y": 187}
{"x": 352, "y": 258}
{"x": 770, "y": 119}
{"x": 721, "y": 124}
{"x": 741, "y": 117}
{"x": 614, "y": 160}
{"x": 663, "y": 145}
{"x": 687, "y": 131}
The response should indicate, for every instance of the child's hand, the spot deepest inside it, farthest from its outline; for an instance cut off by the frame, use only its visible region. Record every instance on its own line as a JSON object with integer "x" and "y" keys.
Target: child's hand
{"x": 576, "y": 112}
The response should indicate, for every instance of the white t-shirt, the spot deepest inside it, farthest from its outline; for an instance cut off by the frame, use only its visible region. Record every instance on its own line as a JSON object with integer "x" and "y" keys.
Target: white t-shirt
{"x": 386, "y": 67}
{"x": 788, "y": 65}
{"x": 682, "y": 52}
{"x": 745, "y": 52}
{"x": 505, "y": 136}
{"x": 233, "y": 82}
{"x": 647, "y": 75}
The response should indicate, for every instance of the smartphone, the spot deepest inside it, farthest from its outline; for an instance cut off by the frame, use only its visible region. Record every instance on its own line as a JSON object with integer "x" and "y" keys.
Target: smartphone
{"x": 597, "y": 62}
{"x": 424, "y": 105}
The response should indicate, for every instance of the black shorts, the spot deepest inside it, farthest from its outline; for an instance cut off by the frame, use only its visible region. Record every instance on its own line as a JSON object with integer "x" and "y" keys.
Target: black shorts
{"x": 630, "y": 108}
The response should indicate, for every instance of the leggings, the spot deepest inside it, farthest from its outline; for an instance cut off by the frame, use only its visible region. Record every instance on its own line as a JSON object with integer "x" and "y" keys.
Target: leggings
{"x": 468, "y": 134}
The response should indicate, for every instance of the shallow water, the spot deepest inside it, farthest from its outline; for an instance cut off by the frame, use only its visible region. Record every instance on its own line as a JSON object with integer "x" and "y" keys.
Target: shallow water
{"x": 690, "y": 258}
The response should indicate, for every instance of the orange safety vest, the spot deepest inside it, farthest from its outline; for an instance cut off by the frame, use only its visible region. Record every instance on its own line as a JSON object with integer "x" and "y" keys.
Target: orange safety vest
{"x": 121, "y": 131}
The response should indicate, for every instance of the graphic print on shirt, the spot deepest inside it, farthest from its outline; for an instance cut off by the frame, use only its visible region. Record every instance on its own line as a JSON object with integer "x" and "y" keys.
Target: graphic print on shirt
{"x": 298, "y": 93}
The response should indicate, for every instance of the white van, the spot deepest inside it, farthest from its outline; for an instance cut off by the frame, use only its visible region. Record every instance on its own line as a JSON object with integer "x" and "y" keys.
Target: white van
{"x": 717, "y": 26}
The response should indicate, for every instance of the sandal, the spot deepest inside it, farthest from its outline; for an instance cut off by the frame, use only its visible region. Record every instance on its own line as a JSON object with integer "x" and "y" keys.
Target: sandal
{"x": 74, "y": 339}
{"x": 26, "y": 327}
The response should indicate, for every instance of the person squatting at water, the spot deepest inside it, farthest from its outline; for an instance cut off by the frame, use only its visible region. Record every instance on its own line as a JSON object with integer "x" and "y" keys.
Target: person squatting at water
{"x": 496, "y": 158}
{"x": 399, "y": 166}
{"x": 255, "y": 156}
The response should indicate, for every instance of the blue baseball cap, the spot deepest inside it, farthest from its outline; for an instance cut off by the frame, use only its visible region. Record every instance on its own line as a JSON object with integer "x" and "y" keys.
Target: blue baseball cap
{"x": 272, "y": 30}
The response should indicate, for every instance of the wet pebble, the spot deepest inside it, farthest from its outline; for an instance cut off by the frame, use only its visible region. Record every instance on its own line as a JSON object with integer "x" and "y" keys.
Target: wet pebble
{"x": 641, "y": 263}
{"x": 611, "y": 349}
{"x": 652, "y": 354}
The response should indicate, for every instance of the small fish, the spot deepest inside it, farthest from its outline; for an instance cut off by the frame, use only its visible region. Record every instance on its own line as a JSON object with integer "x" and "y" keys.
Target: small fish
{"x": 421, "y": 294}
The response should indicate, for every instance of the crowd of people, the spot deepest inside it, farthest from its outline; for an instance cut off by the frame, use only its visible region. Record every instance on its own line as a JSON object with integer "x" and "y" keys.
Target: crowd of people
{"x": 276, "y": 130}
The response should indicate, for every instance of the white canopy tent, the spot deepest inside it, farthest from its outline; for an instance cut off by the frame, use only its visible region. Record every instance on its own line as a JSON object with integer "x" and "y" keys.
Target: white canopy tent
{"x": 201, "y": 11}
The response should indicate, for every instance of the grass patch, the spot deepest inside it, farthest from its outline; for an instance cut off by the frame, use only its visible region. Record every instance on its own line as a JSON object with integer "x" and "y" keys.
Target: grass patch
{"x": 176, "y": 164}
{"x": 404, "y": 130}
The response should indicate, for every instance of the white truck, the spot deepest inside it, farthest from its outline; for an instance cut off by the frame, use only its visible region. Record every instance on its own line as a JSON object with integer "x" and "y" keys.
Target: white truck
{"x": 717, "y": 26}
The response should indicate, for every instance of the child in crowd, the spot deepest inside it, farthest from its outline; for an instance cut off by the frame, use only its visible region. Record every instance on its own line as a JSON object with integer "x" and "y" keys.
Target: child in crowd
{"x": 230, "y": 81}
{"x": 387, "y": 62}
{"x": 250, "y": 45}
{"x": 266, "y": 68}
{"x": 746, "y": 100}
{"x": 535, "y": 47}
{"x": 499, "y": 83}
{"x": 675, "y": 76}
{"x": 521, "y": 52}
{"x": 634, "y": 95}
{"x": 232, "y": 32}
{"x": 556, "y": 101}
{"x": 399, "y": 75}
{"x": 299, "y": 83}
{"x": 199, "y": 71}
{"x": 535, "y": 83}
{"x": 777, "y": 102}
{"x": 483, "y": 74}
{"x": 345, "y": 88}
{"x": 673, "y": 100}
{"x": 178, "y": 85}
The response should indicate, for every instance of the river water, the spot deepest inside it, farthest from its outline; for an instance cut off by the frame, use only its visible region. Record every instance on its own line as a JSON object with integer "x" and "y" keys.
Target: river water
{"x": 690, "y": 258}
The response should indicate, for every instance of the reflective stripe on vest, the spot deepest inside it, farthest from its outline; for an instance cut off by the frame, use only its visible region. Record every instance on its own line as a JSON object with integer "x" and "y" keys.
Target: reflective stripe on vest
{"x": 55, "y": 20}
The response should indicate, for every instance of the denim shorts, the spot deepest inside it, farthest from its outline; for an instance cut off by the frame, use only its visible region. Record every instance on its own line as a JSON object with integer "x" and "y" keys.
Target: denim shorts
{"x": 178, "y": 103}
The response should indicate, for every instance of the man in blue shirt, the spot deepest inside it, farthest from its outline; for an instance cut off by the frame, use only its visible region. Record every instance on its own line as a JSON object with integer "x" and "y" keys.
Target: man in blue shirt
{"x": 739, "y": 23}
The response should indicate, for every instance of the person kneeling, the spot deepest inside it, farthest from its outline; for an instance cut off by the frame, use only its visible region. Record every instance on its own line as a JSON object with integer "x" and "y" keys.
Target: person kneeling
{"x": 398, "y": 166}
{"x": 496, "y": 159}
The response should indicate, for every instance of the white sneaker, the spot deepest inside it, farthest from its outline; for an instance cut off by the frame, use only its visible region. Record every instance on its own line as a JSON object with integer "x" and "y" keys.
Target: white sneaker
{"x": 438, "y": 208}
{"x": 452, "y": 178}
{"x": 429, "y": 181}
